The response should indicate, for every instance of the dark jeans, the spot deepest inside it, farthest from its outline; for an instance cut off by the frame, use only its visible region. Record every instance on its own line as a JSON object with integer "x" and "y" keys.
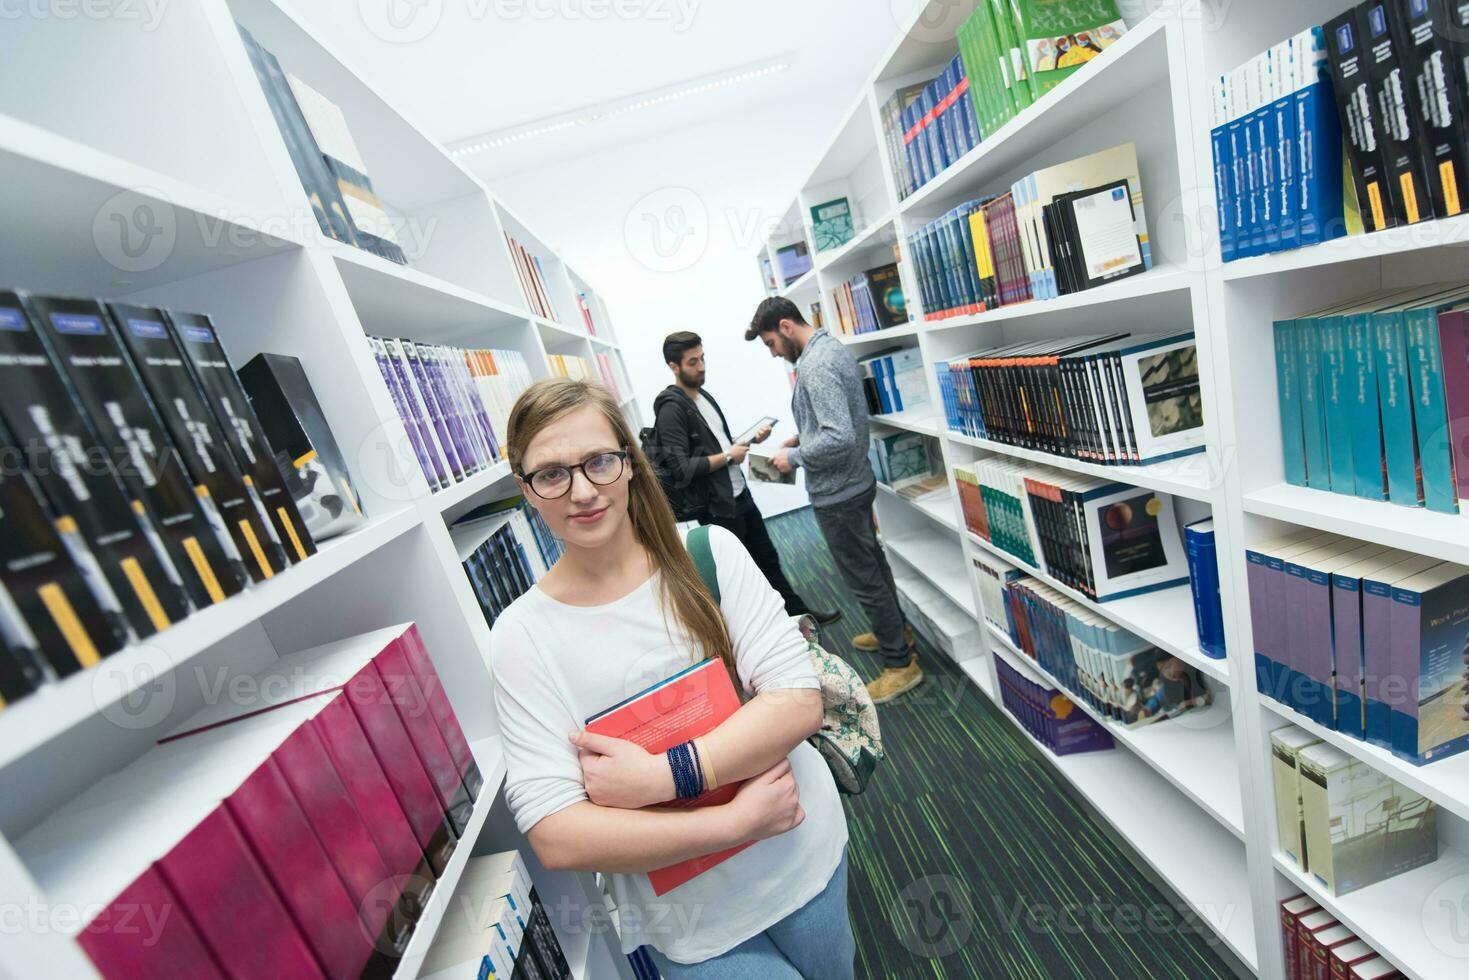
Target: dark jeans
{"x": 749, "y": 526}
{"x": 852, "y": 539}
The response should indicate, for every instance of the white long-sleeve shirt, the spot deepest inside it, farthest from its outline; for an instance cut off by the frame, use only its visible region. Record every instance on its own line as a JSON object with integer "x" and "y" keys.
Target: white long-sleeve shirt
{"x": 555, "y": 665}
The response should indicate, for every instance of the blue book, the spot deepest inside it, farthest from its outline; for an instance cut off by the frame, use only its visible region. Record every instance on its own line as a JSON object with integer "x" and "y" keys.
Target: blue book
{"x": 1262, "y": 121}
{"x": 1313, "y": 408}
{"x": 1283, "y": 126}
{"x": 1319, "y": 216}
{"x": 1368, "y": 460}
{"x": 1337, "y": 407}
{"x": 1240, "y": 185}
{"x": 1395, "y": 401}
{"x": 1430, "y": 415}
{"x": 1203, "y": 574}
{"x": 1287, "y": 373}
{"x": 1254, "y": 216}
{"x": 1223, "y": 191}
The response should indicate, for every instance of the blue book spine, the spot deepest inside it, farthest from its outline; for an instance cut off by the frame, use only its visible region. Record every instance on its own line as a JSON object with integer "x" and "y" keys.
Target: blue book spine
{"x": 1319, "y": 216}
{"x": 1338, "y": 406}
{"x": 1203, "y": 577}
{"x": 1394, "y": 397}
{"x": 1287, "y": 373}
{"x": 1368, "y": 463}
{"x": 1235, "y": 132}
{"x": 1263, "y": 121}
{"x": 1254, "y": 219}
{"x": 1283, "y": 122}
{"x": 1430, "y": 415}
{"x": 1313, "y": 409}
{"x": 1223, "y": 191}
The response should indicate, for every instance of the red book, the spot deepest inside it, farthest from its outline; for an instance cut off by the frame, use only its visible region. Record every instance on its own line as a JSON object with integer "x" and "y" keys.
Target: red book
{"x": 1376, "y": 968}
{"x": 411, "y": 700}
{"x": 691, "y": 703}
{"x": 1291, "y": 910}
{"x": 1453, "y": 338}
{"x": 1322, "y": 943}
{"x": 143, "y": 934}
{"x": 1348, "y": 955}
{"x": 1307, "y": 926}
{"x": 441, "y": 709}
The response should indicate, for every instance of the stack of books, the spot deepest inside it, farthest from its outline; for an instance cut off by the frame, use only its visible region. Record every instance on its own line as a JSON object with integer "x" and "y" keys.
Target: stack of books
{"x": 1344, "y": 823}
{"x": 992, "y": 575}
{"x": 1063, "y": 229}
{"x": 440, "y": 402}
{"x": 1374, "y": 397}
{"x": 1104, "y": 539}
{"x": 140, "y": 486}
{"x": 570, "y": 366}
{"x": 326, "y": 158}
{"x": 1276, "y": 145}
{"x": 1120, "y": 675}
{"x": 894, "y": 381}
{"x": 870, "y": 301}
{"x": 1363, "y": 639}
{"x": 301, "y": 825}
{"x": 1400, "y": 79}
{"x": 516, "y": 549}
{"x": 1048, "y": 715}
{"x": 532, "y": 280}
{"x": 1107, "y": 398}
{"x": 1017, "y": 52}
{"x": 934, "y": 128}
{"x": 909, "y": 462}
{"x": 1316, "y": 945}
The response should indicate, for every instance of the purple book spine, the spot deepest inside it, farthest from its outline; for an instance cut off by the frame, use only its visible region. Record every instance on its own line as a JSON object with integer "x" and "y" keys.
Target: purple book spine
{"x": 1275, "y": 623}
{"x": 1315, "y": 662}
{"x": 1453, "y": 335}
{"x": 419, "y": 406}
{"x": 1376, "y": 644}
{"x": 1292, "y": 653}
{"x": 468, "y": 459}
{"x": 472, "y": 388}
{"x": 1400, "y": 688}
{"x": 411, "y": 424}
{"x": 453, "y": 361}
{"x": 435, "y": 410}
{"x": 1257, "y": 577}
{"x": 1346, "y": 632}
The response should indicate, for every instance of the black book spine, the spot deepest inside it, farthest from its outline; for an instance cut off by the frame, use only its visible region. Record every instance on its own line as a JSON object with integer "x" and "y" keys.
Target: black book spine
{"x": 1421, "y": 33}
{"x": 1348, "y": 53}
{"x": 1391, "y": 79}
{"x": 21, "y": 673}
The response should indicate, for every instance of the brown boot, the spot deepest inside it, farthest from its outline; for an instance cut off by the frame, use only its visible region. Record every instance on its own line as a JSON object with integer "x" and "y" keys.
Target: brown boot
{"x": 868, "y": 641}
{"x": 894, "y": 681}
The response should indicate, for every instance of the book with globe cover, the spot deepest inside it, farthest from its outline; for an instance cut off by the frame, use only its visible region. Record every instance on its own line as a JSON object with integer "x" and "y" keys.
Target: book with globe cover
{"x": 885, "y": 285}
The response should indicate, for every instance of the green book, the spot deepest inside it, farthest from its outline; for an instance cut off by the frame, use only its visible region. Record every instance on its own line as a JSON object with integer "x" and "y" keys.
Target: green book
{"x": 831, "y": 224}
{"x": 1059, "y": 36}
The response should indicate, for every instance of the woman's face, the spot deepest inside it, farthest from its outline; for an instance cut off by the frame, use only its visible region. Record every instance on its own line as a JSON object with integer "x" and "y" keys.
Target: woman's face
{"x": 588, "y": 515}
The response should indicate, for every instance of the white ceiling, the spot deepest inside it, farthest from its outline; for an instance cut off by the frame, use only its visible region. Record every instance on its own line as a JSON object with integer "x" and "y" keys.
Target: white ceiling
{"x": 462, "y": 68}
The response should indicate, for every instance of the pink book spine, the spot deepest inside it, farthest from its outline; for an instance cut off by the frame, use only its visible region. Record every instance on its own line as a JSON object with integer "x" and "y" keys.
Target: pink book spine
{"x": 143, "y": 934}
{"x": 409, "y": 698}
{"x": 1453, "y": 335}
{"x": 443, "y": 711}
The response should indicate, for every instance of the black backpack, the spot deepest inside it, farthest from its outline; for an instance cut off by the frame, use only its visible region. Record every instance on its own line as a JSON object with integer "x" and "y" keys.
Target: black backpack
{"x": 679, "y": 498}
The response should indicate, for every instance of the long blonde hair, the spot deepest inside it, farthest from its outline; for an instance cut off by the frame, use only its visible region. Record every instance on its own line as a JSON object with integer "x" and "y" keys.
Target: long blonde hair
{"x": 681, "y": 588}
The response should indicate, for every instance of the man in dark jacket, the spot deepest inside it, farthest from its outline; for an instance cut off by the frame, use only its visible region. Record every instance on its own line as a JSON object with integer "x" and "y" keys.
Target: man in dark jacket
{"x": 699, "y": 464}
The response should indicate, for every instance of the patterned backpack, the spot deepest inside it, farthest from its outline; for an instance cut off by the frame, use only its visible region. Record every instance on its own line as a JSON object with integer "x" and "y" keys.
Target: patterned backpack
{"x": 850, "y": 740}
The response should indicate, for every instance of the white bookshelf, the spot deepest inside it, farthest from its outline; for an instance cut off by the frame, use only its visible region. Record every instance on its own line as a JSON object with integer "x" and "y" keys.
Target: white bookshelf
{"x": 1209, "y": 775}
{"x": 220, "y": 224}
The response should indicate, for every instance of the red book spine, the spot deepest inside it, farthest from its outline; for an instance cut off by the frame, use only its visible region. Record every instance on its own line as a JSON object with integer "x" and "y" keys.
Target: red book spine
{"x": 289, "y": 853}
{"x": 143, "y": 934}
{"x": 1453, "y": 334}
{"x": 233, "y": 905}
{"x": 408, "y": 698}
{"x": 443, "y": 712}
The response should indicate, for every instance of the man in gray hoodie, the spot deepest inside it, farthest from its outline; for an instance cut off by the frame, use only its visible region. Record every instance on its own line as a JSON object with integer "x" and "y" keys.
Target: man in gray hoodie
{"x": 830, "y": 409}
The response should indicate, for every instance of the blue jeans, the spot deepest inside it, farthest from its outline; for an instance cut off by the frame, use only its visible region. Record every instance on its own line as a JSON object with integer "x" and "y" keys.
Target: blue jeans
{"x": 814, "y": 942}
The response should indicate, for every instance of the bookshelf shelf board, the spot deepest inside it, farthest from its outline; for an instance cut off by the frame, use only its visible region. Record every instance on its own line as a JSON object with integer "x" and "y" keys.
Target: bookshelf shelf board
{"x": 601, "y": 342}
{"x": 1157, "y": 280}
{"x": 952, "y": 621}
{"x": 558, "y": 333}
{"x": 1186, "y": 476}
{"x": 937, "y": 506}
{"x": 921, "y": 420}
{"x": 1437, "y": 233}
{"x": 1209, "y": 875}
{"x": 1445, "y": 782}
{"x": 1427, "y": 532}
{"x": 36, "y": 720}
{"x": 868, "y": 240}
{"x": 887, "y": 336}
{"x": 1137, "y": 61}
{"x": 937, "y": 558}
{"x": 97, "y": 225}
{"x": 490, "y": 757}
{"x": 1411, "y": 918}
{"x": 1164, "y": 618}
{"x": 978, "y": 671}
{"x": 451, "y": 500}
{"x": 799, "y": 289}
{"x": 393, "y": 300}
{"x": 1194, "y": 752}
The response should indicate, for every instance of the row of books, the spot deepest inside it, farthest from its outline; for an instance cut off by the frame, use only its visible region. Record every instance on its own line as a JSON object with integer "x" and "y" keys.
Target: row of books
{"x": 516, "y": 549}
{"x": 532, "y": 279}
{"x": 1374, "y": 397}
{"x": 442, "y": 406}
{"x": 934, "y": 127}
{"x": 498, "y": 927}
{"x": 1363, "y": 639}
{"x": 570, "y": 366}
{"x": 909, "y": 462}
{"x": 1398, "y": 70}
{"x": 1276, "y": 145}
{"x": 1318, "y": 947}
{"x": 1345, "y": 823}
{"x": 609, "y": 375}
{"x": 1018, "y": 51}
{"x": 327, "y": 161}
{"x": 1122, "y": 676}
{"x": 1048, "y": 715}
{"x": 870, "y": 301}
{"x": 893, "y": 380}
{"x": 296, "y": 828}
{"x": 141, "y": 485}
{"x": 1065, "y": 228}
{"x": 1104, "y": 539}
{"x": 1106, "y": 398}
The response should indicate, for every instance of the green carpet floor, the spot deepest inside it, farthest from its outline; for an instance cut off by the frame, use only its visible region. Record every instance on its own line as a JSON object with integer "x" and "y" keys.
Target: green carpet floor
{"x": 969, "y": 856}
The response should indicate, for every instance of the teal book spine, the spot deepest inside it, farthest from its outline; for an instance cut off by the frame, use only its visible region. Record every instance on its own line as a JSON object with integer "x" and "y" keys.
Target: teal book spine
{"x": 1287, "y": 374}
{"x": 1313, "y": 409}
{"x": 1394, "y": 396}
{"x": 1337, "y": 404}
{"x": 1430, "y": 415}
{"x": 1369, "y": 465}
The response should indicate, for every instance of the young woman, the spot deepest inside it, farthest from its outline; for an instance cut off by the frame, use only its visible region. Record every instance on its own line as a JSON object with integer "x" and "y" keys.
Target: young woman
{"x": 621, "y": 610}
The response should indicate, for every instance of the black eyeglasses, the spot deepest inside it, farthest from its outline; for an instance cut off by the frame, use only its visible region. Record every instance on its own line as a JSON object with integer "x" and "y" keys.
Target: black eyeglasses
{"x": 550, "y": 482}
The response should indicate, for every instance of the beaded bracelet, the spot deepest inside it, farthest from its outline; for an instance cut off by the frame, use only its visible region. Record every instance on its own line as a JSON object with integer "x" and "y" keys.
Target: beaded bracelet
{"x": 688, "y": 776}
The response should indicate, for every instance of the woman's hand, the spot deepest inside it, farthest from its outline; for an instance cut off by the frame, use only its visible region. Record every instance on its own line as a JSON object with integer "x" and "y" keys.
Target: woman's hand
{"x": 621, "y": 774}
{"x": 769, "y": 804}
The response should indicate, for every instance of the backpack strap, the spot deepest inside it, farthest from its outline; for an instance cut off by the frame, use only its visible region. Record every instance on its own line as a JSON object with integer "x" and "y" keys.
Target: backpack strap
{"x": 699, "y": 550}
